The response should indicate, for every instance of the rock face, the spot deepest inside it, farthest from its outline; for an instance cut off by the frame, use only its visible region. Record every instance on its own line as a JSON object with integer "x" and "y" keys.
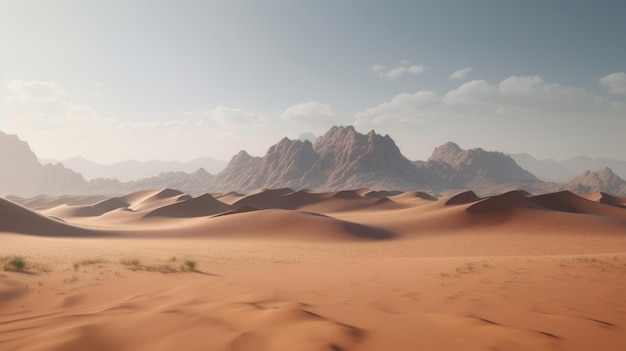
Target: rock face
{"x": 22, "y": 174}
{"x": 602, "y": 181}
{"x": 477, "y": 169}
{"x": 340, "y": 159}
{"x": 478, "y": 163}
{"x": 357, "y": 160}
{"x": 283, "y": 165}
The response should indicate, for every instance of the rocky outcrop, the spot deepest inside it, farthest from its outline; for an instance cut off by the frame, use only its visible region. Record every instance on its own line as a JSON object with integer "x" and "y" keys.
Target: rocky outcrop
{"x": 22, "y": 174}
{"x": 602, "y": 181}
{"x": 350, "y": 160}
{"x": 484, "y": 171}
{"x": 340, "y": 159}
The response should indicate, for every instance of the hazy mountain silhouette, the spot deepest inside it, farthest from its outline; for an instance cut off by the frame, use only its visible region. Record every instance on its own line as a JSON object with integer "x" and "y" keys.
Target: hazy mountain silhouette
{"x": 340, "y": 159}
{"x": 602, "y": 181}
{"x": 563, "y": 171}
{"x": 547, "y": 170}
{"x": 581, "y": 164}
{"x": 22, "y": 174}
{"x": 134, "y": 170}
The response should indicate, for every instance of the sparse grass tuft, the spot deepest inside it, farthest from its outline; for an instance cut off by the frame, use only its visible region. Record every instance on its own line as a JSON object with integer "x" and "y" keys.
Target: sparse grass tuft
{"x": 16, "y": 264}
{"x": 135, "y": 264}
{"x": 191, "y": 265}
{"x": 469, "y": 267}
{"x": 132, "y": 263}
{"x": 87, "y": 262}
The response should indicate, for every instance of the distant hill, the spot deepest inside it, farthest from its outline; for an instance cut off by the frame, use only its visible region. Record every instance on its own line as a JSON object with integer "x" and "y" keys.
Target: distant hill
{"x": 581, "y": 164}
{"x": 547, "y": 170}
{"x": 134, "y": 170}
{"x": 22, "y": 174}
{"x": 484, "y": 171}
{"x": 563, "y": 171}
{"x": 602, "y": 181}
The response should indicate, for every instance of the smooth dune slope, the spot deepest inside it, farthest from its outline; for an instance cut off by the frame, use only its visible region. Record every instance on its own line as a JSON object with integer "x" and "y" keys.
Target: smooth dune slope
{"x": 17, "y": 219}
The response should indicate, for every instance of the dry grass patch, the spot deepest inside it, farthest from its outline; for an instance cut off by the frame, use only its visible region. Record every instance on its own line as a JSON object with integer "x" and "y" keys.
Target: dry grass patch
{"x": 88, "y": 262}
{"x": 137, "y": 265}
{"x": 14, "y": 264}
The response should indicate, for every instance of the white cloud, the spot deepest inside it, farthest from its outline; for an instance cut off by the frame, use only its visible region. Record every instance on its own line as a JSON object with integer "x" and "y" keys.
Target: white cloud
{"x": 229, "y": 117}
{"x": 403, "y": 108}
{"x": 615, "y": 82}
{"x": 515, "y": 98}
{"x": 404, "y": 67}
{"x": 310, "y": 112}
{"x": 56, "y": 126}
{"x": 416, "y": 69}
{"x": 460, "y": 74}
{"x": 380, "y": 69}
{"x": 35, "y": 89}
{"x": 44, "y": 105}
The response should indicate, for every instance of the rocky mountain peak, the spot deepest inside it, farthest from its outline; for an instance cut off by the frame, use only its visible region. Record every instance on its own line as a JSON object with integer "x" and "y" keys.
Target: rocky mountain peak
{"x": 605, "y": 180}
{"x": 446, "y": 152}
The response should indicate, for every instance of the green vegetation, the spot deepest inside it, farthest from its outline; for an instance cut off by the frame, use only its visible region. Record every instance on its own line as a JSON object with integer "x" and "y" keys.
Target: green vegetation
{"x": 191, "y": 265}
{"x": 16, "y": 263}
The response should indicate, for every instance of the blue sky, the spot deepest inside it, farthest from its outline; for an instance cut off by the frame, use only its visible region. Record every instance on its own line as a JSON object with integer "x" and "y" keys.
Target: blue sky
{"x": 114, "y": 80}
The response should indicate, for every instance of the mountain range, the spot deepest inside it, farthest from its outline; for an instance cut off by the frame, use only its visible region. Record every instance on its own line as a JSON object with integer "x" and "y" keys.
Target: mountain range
{"x": 340, "y": 159}
{"x": 134, "y": 170}
{"x": 561, "y": 171}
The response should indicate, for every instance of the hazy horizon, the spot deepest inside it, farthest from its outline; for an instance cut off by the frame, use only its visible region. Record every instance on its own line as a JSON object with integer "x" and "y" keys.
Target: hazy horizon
{"x": 114, "y": 80}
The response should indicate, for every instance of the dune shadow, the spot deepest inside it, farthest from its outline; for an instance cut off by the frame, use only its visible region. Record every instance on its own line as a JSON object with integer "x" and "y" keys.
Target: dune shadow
{"x": 207, "y": 273}
{"x": 367, "y": 232}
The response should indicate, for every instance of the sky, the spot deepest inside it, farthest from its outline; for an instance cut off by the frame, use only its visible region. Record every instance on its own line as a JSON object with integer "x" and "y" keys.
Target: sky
{"x": 177, "y": 80}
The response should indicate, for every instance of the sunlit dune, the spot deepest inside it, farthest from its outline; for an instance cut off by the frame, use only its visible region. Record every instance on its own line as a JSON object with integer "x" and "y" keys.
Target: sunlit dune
{"x": 304, "y": 270}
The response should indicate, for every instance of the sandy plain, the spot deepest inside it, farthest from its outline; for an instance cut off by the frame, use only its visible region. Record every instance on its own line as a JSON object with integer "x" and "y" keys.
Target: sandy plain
{"x": 300, "y": 270}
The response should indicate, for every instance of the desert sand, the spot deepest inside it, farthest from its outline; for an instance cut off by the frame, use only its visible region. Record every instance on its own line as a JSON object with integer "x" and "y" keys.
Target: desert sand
{"x": 301, "y": 270}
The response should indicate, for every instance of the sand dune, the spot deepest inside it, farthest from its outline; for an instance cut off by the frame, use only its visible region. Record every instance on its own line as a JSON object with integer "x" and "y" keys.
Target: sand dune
{"x": 409, "y": 195}
{"x": 606, "y": 199}
{"x": 280, "y": 224}
{"x": 500, "y": 205}
{"x": 262, "y": 198}
{"x": 302, "y": 270}
{"x": 152, "y": 199}
{"x": 566, "y": 201}
{"x": 201, "y": 206}
{"x": 367, "y": 192}
{"x": 44, "y": 202}
{"x": 462, "y": 198}
{"x": 17, "y": 219}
